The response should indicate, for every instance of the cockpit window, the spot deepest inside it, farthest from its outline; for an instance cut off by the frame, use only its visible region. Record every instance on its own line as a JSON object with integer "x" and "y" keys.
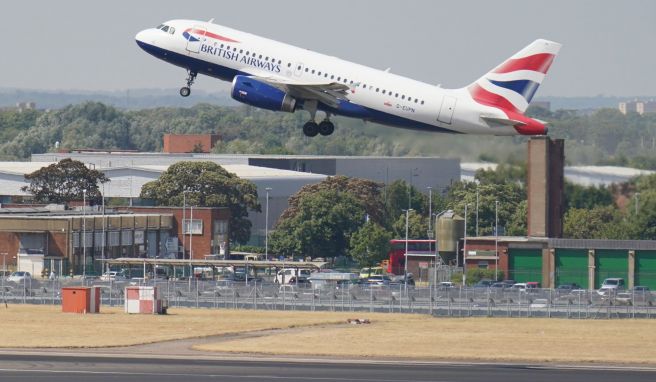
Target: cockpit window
{"x": 171, "y": 30}
{"x": 160, "y": 26}
{"x": 165, "y": 28}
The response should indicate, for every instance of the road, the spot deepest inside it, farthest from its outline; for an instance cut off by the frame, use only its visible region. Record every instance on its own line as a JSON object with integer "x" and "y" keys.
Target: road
{"x": 71, "y": 368}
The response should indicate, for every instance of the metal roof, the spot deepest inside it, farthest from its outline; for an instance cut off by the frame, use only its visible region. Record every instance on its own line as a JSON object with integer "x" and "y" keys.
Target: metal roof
{"x": 218, "y": 263}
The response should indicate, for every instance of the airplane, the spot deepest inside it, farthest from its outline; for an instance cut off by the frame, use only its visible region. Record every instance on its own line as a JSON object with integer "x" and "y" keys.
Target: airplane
{"x": 275, "y": 76}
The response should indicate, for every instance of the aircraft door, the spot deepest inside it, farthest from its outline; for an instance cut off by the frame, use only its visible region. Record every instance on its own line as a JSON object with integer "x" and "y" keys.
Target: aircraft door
{"x": 298, "y": 69}
{"x": 195, "y": 37}
{"x": 447, "y": 109}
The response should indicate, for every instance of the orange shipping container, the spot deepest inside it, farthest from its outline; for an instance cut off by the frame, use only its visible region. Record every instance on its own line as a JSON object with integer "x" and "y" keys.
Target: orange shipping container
{"x": 81, "y": 300}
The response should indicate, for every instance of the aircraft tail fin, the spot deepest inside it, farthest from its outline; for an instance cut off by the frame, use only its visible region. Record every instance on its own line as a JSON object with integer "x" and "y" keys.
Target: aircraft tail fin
{"x": 511, "y": 85}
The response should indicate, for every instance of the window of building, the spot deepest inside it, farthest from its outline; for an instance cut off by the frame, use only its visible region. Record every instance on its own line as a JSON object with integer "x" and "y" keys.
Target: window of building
{"x": 194, "y": 227}
{"x": 126, "y": 237}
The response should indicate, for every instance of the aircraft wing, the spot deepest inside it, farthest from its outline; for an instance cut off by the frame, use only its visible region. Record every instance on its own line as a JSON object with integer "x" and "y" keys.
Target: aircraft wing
{"x": 328, "y": 93}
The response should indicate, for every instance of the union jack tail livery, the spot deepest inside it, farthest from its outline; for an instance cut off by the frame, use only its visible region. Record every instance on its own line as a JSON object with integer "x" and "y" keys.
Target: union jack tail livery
{"x": 511, "y": 85}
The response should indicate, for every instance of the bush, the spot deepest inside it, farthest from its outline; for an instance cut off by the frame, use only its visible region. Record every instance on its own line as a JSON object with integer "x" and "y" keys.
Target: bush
{"x": 475, "y": 275}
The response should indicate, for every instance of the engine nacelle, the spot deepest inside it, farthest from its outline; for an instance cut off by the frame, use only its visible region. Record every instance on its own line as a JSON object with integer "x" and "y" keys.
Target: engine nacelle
{"x": 260, "y": 94}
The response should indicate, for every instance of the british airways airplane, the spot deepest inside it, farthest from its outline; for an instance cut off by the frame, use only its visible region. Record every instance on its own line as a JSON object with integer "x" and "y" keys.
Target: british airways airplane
{"x": 275, "y": 76}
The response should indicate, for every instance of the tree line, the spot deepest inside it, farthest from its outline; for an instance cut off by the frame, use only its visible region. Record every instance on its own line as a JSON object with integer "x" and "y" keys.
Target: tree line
{"x": 603, "y": 137}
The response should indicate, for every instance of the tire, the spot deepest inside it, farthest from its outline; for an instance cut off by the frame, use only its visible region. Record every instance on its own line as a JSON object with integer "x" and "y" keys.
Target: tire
{"x": 311, "y": 129}
{"x": 185, "y": 91}
{"x": 326, "y": 128}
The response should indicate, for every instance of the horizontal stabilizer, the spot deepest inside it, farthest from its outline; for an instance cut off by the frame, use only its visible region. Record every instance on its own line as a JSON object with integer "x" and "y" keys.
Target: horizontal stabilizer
{"x": 502, "y": 121}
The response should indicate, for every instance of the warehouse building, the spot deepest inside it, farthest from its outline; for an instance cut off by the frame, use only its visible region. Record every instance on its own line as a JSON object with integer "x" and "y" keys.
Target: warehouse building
{"x": 554, "y": 262}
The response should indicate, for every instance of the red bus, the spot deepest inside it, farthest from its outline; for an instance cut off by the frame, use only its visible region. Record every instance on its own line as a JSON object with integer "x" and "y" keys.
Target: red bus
{"x": 396, "y": 262}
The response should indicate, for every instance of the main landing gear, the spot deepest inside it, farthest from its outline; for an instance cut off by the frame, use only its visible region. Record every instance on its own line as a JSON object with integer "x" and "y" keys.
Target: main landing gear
{"x": 311, "y": 128}
{"x": 191, "y": 77}
{"x": 325, "y": 128}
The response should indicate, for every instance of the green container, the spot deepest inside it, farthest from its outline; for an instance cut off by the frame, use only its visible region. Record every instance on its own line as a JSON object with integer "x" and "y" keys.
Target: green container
{"x": 611, "y": 263}
{"x": 525, "y": 265}
{"x": 645, "y": 269}
{"x": 572, "y": 267}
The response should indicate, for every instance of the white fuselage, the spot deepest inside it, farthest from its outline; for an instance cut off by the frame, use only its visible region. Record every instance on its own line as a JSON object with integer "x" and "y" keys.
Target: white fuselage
{"x": 377, "y": 96}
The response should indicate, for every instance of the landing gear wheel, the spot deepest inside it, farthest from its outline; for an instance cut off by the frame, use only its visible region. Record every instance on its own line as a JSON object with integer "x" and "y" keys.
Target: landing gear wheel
{"x": 311, "y": 129}
{"x": 191, "y": 77}
{"x": 326, "y": 128}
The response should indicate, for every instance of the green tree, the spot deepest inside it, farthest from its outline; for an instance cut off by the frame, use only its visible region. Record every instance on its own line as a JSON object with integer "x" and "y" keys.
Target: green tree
{"x": 207, "y": 185}
{"x": 580, "y": 223}
{"x": 417, "y": 226}
{"x": 366, "y": 191}
{"x": 397, "y": 194}
{"x": 509, "y": 196}
{"x": 577, "y": 196}
{"x": 321, "y": 226}
{"x": 370, "y": 244}
{"x": 64, "y": 181}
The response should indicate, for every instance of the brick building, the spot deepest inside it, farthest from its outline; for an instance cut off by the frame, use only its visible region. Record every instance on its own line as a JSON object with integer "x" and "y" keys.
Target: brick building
{"x": 189, "y": 143}
{"x": 205, "y": 229}
{"x": 37, "y": 238}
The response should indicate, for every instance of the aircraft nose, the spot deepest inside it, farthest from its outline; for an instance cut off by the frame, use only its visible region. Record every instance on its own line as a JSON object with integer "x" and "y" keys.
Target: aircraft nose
{"x": 146, "y": 36}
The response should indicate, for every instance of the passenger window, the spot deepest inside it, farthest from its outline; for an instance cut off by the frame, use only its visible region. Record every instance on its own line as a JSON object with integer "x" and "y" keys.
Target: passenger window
{"x": 312, "y": 71}
{"x": 403, "y": 97}
{"x": 377, "y": 90}
{"x": 279, "y": 62}
{"x": 416, "y": 100}
{"x": 325, "y": 75}
{"x": 234, "y": 49}
{"x": 289, "y": 65}
{"x": 422, "y": 102}
{"x": 299, "y": 67}
{"x": 396, "y": 95}
{"x": 221, "y": 46}
{"x": 260, "y": 57}
{"x": 306, "y": 70}
{"x": 332, "y": 77}
{"x": 241, "y": 51}
{"x": 319, "y": 74}
{"x": 383, "y": 91}
{"x": 339, "y": 79}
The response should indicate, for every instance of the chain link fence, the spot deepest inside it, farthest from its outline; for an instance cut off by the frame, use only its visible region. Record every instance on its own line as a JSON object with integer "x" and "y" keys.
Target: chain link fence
{"x": 438, "y": 301}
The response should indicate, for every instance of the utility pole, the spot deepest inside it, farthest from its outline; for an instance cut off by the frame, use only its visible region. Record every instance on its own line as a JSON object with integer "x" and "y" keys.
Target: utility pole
{"x": 496, "y": 240}
{"x": 464, "y": 252}
{"x": 84, "y": 234}
{"x": 405, "y": 262}
{"x": 266, "y": 226}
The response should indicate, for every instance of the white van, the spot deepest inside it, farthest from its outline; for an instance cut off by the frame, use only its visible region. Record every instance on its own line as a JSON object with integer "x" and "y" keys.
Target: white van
{"x": 292, "y": 276}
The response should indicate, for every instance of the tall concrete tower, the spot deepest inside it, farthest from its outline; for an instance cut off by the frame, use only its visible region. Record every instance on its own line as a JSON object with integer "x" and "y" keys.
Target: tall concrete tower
{"x": 546, "y": 163}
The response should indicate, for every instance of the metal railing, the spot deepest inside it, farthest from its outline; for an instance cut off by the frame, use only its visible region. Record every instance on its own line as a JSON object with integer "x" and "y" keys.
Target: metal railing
{"x": 440, "y": 302}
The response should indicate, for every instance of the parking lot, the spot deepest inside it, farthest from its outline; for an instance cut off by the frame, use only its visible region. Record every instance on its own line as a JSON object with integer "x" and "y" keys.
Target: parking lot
{"x": 436, "y": 300}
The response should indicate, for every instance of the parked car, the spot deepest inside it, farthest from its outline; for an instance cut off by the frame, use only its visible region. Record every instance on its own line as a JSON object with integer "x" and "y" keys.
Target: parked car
{"x": 611, "y": 285}
{"x": 641, "y": 289}
{"x": 292, "y": 276}
{"x": 379, "y": 280}
{"x": 532, "y": 285}
{"x": 113, "y": 276}
{"x": 19, "y": 277}
{"x": 484, "y": 283}
{"x": 509, "y": 283}
{"x": 446, "y": 285}
{"x": 567, "y": 287}
{"x": 500, "y": 285}
{"x": 521, "y": 287}
{"x": 367, "y": 272}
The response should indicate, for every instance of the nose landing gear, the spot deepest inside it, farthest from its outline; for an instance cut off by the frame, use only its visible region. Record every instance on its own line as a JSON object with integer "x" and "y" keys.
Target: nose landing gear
{"x": 191, "y": 77}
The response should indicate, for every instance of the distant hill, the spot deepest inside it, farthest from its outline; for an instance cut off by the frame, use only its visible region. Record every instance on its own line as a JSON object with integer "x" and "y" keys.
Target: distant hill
{"x": 128, "y": 99}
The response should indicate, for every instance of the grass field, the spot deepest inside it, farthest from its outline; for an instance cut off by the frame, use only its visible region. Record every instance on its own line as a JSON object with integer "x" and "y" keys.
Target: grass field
{"x": 389, "y": 335}
{"x": 46, "y": 326}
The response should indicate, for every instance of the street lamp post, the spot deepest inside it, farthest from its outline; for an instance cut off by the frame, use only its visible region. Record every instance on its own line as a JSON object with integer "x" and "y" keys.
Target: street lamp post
{"x": 102, "y": 246}
{"x": 430, "y": 207}
{"x": 4, "y": 271}
{"x": 477, "y": 209}
{"x": 496, "y": 240}
{"x": 184, "y": 218}
{"x": 266, "y": 226}
{"x": 84, "y": 234}
{"x": 464, "y": 252}
{"x": 405, "y": 262}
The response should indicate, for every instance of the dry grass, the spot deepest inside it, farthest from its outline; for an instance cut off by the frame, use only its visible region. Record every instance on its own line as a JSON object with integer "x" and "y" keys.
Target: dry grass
{"x": 45, "y": 326}
{"x": 497, "y": 339}
{"x": 389, "y": 335}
